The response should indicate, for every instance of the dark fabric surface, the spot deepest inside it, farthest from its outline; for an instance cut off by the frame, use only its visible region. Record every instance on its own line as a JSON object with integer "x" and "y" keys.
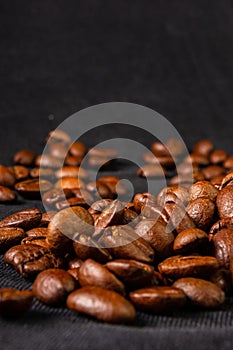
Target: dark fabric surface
{"x": 58, "y": 57}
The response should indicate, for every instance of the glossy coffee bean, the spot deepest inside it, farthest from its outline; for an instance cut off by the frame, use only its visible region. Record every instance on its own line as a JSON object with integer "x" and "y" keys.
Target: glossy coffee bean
{"x": 25, "y": 219}
{"x": 177, "y": 218}
{"x": 202, "y": 211}
{"x": 14, "y": 302}
{"x": 190, "y": 240}
{"x": 101, "y": 189}
{"x": 203, "y": 189}
{"x": 159, "y": 149}
{"x": 223, "y": 279}
{"x": 92, "y": 273}
{"x": 188, "y": 266}
{"x": 227, "y": 180}
{"x": 46, "y": 218}
{"x": 111, "y": 215}
{"x": 20, "y": 172}
{"x": 143, "y": 199}
{"x": 37, "y": 232}
{"x": 55, "y": 195}
{"x": 181, "y": 192}
{"x": 7, "y": 177}
{"x": 225, "y": 202}
{"x": 158, "y": 299}
{"x": 105, "y": 305}
{"x": 33, "y": 188}
{"x": 40, "y": 241}
{"x": 223, "y": 246}
{"x": 200, "y": 292}
{"x": 6, "y": 194}
{"x": 24, "y": 157}
{"x": 9, "y": 237}
{"x": 69, "y": 182}
{"x": 78, "y": 149}
{"x": 52, "y": 286}
{"x": 98, "y": 206}
{"x": 220, "y": 224}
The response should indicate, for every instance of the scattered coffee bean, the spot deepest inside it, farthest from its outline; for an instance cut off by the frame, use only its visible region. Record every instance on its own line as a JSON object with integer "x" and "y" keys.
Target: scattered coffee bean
{"x": 14, "y": 302}
{"x": 24, "y": 157}
{"x": 25, "y": 219}
{"x": 9, "y": 237}
{"x": 6, "y": 194}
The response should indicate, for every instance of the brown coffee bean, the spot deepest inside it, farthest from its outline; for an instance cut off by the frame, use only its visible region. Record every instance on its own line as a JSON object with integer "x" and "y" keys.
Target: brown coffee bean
{"x": 91, "y": 273}
{"x": 40, "y": 241}
{"x": 181, "y": 192}
{"x": 48, "y": 161}
{"x": 151, "y": 170}
{"x": 225, "y": 202}
{"x": 123, "y": 243}
{"x": 218, "y": 157}
{"x": 130, "y": 217}
{"x": 75, "y": 274}
{"x": 186, "y": 169}
{"x": 131, "y": 272}
{"x": 70, "y": 182}
{"x": 202, "y": 211}
{"x": 58, "y": 135}
{"x": 72, "y": 161}
{"x": 6, "y": 194}
{"x": 87, "y": 248}
{"x": 78, "y": 149}
{"x": 25, "y": 219}
{"x": 98, "y": 162}
{"x": 166, "y": 161}
{"x": 216, "y": 181}
{"x": 222, "y": 279}
{"x": 71, "y": 171}
{"x": 175, "y": 146}
{"x": 159, "y": 149}
{"x": 103, "y": 152}
{"x": 109, "y": 178}
{"x": 158, "y": 299}
{"x": 52, "y": 286}
{"x": 143, "y": 199}
{"x": 98, "y": 206}
{"x": 105, "y": 305}
{"x": 20, "y": 172}
{"x": 228, "y": 164}
{"x": 220, "y": 224}
{"x": 200, "y": 292}
{"x": 196, "y": 158}
{"x": 203, "y": 189}
{"x": 212, "y": 171}
{"x": 75, "y": 263}
{"x": 190, "y": 240}
{"x": 71, "y": 202}
{"x": 177, "y": 218}
{"x": 111, "y": 215}
{"x": 42, "y": 173}
{"x": 157, "y": 235}
{"x": 33, "y": 188}
{"x": 58, "y": 150}
{"x": 227, "y": 180}
{"x": 24, "y": 157}
{"x": 37, "y": 232}
{"x": 14, "y": 302}
{"x": 56, "y": 195}
{"x": 66, "y": 223}
{"x": 29, "y": 259}
{"x": 203, "y": 147}
{"x": 10, "y": 236}
{"x": 188, "y": 266}
{"x": 46, "y": 218}
{"x": 100, "y": 189}
{"x": 223, "y": 246}
{"x": 7, "y": 177}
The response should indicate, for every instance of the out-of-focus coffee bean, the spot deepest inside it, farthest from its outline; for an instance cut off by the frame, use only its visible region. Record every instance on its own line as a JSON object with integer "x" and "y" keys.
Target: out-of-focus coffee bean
{"x": 216, "y": 181}
{"x": 100, "y": 189}
{"x": 75, "y": 263}
{"x": 33, "y": 188}
{"x": 9, "y": 237}
{"x": 222, "y": 279}
{"x": 69, "y": 182}
{"x": 78, "y": 149}
{"x": 14, "y": 302}
{"x": 71, "y": 171}
{"x": 6, "y": 194}
{"x": 102, "y": 152}
{"x": 25, "y": 219}
{"x": 72, "y": 160}
{"x": 24, "y": 157}
{"x": 48, "y": 161}
{"x": 225, "y": 202}
{"x": 105, "y": 305}
{"x": 228, "y": 164}
{"x": 158, "y": 299}
{"x": 56, "y": 195}
{"x": 203, "y": 147}
{"x": 188, "y": 266}
{"x": 218, "y": 157}
{"x": 159, "y": 149}
{"x": 223, "y": 246}
{"x": 151, "y": 170}
{"x": 195, "y": 158}
{"x": 164, "y": 161}
{"x": 20, "y": 172}
{"x": 52, "y": 286}
{"x": 75, "y": 274}
{"x": 58, "y": 135}
{"x": 202, "y": 211}
{"x": 58, "y": 150}
{"x": 202, "y": 293}
{"x": 41, "y": 172}
{"x": 7, "y": 177}
{"x": 212, "y": 171}
{"x": 97, "y": 162}
{"x": 190, "y": 240}
{"x": 71, "y": 202}
{"x": 175, "y": 146}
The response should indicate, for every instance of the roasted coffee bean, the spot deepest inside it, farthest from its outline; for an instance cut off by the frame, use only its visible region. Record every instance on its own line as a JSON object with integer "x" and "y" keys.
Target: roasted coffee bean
{"x": 69, "y": 182}
{"x": 216, "y": 181}
{"x": 103, "y": 152}
{"x": 225, "y": 202}
{"x": 181, "y": 192}
{"x": 203, "y": 189}
{"x": 202, "y": 211}
{"x": 98, "y": 162}
{"x": 72, "y": 161}
{"x": 109, "y": 178}
{"x": 218, "y": 157}
{"x": 40, "y": 241}
{"x": 58, "y": 135}
{"x": 46, "y": 218}
{"x": 20, "y": 172}
{"x": 130, "y": 217}
{"x": 29, "y": 259}
{"x": 10, "y": 236}
{"x": 188, "y": 266}
{"x": 123, "y": 243}
{"x": 87, "y": 248}
{"x": 212, "y": 171}
{"x": 58, "y": 150}
{"x": 56, "y": 195}
{"x": 186, "y": 179}
{"x": 111, "y": 215}
{"x": 24, "y": 157}
{"x": 166, "y": 161}
{"x": 151, "y": 170}
{"x": 78, "y": 149}
{"x": 158, "y": 299}
{"x": 105, "y": 305}
{"x": 159, "y": 149}
{"x": 228, "y": 164}
{"x": 75, "y": 274}
{"x": 157, "y": 235}
{"x": 71, "y": 171}
{"x": 7, "y": 177}
{"x": 52, "y": 286}
{"x": 71, "y": 202}
{"x": 48, "y": 161}
{"x": 220, "y": 224}
{"x": 37, "y": 232}
{"x": 223, "y": 246}
{"x": 75, "y": 263}
{"x": 175, "y": 146}
{"x": 196, "y": 158}
{"x": 190, "y": 240}
{"x": 101, "y": 189}
{"x": 177, "y": 218}
{"x": 91, "y": 273}
{"x": 42, "y": 173}
{"x": 66, "y": 223}
{"x": 152, "y": 211}
{"x": 25, "y": 219}
{"x": 222, "y": 279}
{"x": 14, "y": 302}
{"x": 131, "y": 272}
{"x": 143, "y": 199}
{"x": 227, "y": 180}
{"x": 203, "y": 147}
{"x": 200, "y": 292}
{"x": 6, "y": 194}
{"x": 33, "y": 188}
{"x": 98, "y": 206}
{"x": 186, "y": 169}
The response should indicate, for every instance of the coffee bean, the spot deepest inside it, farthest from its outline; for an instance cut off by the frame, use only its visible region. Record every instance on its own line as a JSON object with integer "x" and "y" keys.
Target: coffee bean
{"x": 46, "y": 218}
{"x": 105, "y": 305}
{"x": 100, "y": 189}
{"x": 7, "y": 177}
{"x": 223, "y": 246}
{"x": 203, "y": 189}
{"x": 200, "y": 292}
{"x": 166, "y": 161}
{"x": 6, "y": 194}
{"x": 202, "y": 211}
{"x": 181, "y": 192}
{"x": 69, "y": 182}
{"x": 14, "y": 302}
{"x": 203, "y": 147}
{"x": 75, "y": 274}
{"x": 151, "y": 170}
{"x": 188, "y": 266}
{"x": 143, "y": 199}
{"x": 212, "y": 171}
{"x": 75, "y": 263}
{"x": 190, "y": 240}
{"x": 220, "y": 224}
{"x": 87, "y": 248}
{"x": 104, "y": 153}
{"x": 58, "y": 150}
{"x": 111, "y": 215}
{"x": 78, "y": 149}
{"x": 216, "y": 181}
{"x": 48, "y": 161}
{"x": 98, "y": 206}
{"x": 9, "y": 237}
{"x": 29, "y": 259}
{"x": 177, "y": 218}
{"x": 175, "y": 146}
{"x": 72, "y": 161}
{"x": 196, "y": 158}
{"x": 40, "y": 241}
{"x": 71, "y": 171}
{"x": 158, "y": 299}
{"x": 227, "y": 180}
{"x": 42, "y": 173}
{"x": 25, "y": 219}
{"x": 222, "y": 279}
{"x": 71, "y": 202}
{"x": 98, "y": 162}
{"x": 33, "y": 188}
{"x": 159, "y": 149}
{"x": 58, "y": 135}
{"x": 228, "y": 164}
{"x": 56, "y": 195}
{"x": 218, "y": 157}
{"x": 20, "y": 172}
{"x": 225, "y": 202}
{"x": 37, "y": 232}
{"x": 91, "y": 273}
{"x": 24, "y": 157}
{"x": 131, "y": 272}
{"x": 130, "y": 217}
{"x": 52, "y": 286}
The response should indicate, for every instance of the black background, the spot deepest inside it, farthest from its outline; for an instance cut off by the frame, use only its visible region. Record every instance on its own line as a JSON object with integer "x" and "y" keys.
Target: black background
{"x": 58, "y": 57}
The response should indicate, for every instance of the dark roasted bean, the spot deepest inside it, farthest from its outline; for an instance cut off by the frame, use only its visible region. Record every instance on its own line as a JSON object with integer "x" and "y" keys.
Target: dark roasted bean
{"x": 10, "y": 236}
{"x": 202, "y": 211}
{"x": 7, "y": 177}
{"x": 25, "y": 157}
{"x": 14, "y": 302}
{"x": 25, "y": 219}
{"x": 6, "y": 194}
{"x": 33, "y": 188}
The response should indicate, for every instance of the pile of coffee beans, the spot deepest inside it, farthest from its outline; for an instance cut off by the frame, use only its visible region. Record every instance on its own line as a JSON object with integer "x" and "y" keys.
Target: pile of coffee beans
{"x": 106, "y": 258}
